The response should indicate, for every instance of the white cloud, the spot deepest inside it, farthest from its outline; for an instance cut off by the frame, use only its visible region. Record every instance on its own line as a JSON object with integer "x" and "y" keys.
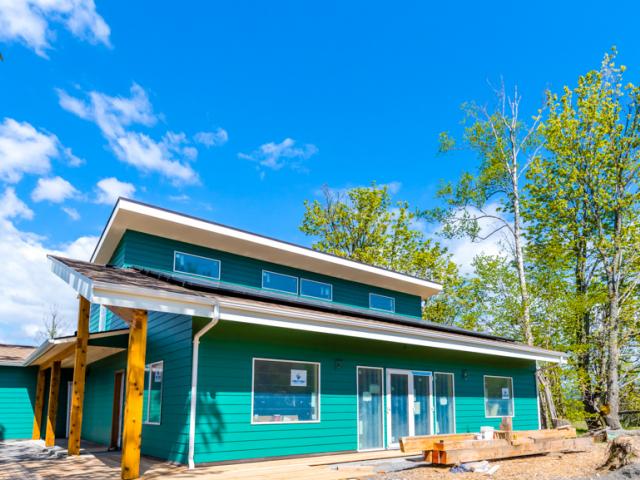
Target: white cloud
{"x": 12, "y": 207}
{"x": 275, "y": 156}
{"x": 110, "y": 189}
{"x": 29, "y": 22}
{"x": 28, "y": 289}
{"x": 26, "y": 150}
{"x": 55, "y": 190}
{"x": 212, "y": 139}
{"x": 72, "y": 212}
{"x": 116, "y": 116}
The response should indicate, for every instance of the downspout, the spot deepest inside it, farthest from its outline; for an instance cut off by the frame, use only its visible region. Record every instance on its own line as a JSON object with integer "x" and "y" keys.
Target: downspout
{"x": 194, "y": 380}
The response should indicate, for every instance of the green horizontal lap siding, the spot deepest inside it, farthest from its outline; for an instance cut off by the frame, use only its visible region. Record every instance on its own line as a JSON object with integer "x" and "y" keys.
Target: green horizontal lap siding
{"x": 111, "y": 322}
{"x": 169, "y": 340}
{"x": 17, "y": 400}
{"x": 224, "y": 430}
{"x": 150, "y": 251}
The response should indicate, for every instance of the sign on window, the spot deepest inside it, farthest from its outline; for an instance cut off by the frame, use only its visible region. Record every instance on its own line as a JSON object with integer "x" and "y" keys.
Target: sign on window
{"x": 298, "y": 378}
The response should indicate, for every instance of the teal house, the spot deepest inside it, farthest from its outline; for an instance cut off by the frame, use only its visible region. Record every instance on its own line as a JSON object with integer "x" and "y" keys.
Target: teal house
{"x": 198, "y": 342}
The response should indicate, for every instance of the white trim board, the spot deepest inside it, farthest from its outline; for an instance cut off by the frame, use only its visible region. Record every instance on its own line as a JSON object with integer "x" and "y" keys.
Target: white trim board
{"x": 239, "y": 310}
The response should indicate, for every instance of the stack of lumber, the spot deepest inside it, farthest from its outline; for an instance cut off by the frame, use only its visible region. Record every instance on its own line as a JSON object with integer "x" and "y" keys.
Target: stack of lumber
{"x": 463, "y": 448}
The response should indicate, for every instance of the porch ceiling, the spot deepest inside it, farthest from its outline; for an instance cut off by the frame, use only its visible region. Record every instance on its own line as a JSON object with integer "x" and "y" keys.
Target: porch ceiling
{"x": 130, "y": 288}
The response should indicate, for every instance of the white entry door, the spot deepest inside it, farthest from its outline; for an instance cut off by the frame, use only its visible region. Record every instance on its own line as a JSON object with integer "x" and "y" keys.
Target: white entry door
{"x": 409, "y": 410}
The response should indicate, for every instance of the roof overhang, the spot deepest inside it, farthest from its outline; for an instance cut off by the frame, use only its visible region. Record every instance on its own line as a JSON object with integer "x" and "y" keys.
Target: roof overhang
{"x": 130, "y": 215}
{"x": 55, "y": 348}
{"x": 258, "y": 313}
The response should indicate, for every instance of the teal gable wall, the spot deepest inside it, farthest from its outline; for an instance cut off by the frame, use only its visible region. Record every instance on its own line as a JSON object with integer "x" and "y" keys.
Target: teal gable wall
{"x": 168, "y": 339}
{"x": 112, "y": 321}
{"x": 224, "y": 429}
{"x": 17, "y": 400}
{"x": 140, "y": 249}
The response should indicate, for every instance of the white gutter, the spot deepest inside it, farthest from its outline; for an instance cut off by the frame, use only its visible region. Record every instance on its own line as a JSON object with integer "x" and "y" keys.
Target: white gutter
{"x": 194, "y": 380}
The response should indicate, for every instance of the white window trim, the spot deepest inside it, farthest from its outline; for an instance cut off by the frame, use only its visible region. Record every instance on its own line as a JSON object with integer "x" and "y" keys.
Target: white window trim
{"x": 453, "y": 393}
{"x": 253, "y": 382}
{"x": 382, "y": 309}
{"x": 382, "y": 411}
{"x": 330, "y": 299}
{"x": 102, "y": 318}
{"x": 513, "y": 394}
{"x": 175, "y": 252}
{"x": 277, "y": 289}
{"x": 148, "y": 390}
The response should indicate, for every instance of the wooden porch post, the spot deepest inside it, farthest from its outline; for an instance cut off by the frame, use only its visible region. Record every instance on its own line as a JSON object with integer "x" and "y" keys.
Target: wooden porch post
{"x": 79, "y": 369}
{"x": 37, "y": 412}
{"x": 54, "y": 387}
{"x": 132, "y": 426}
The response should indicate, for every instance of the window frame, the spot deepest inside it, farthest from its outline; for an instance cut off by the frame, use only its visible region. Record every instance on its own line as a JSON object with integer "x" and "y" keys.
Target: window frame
{"x": 147, "y": 388}
{"x": 253, "y": 384}
{"x": 175, "y": 252}
{"x": 102, "y": 318}
{"x": 330, "y": 285}
{"x": 513, "y": 403}
{"x": 382, "y": 309}
{"x": 453, "y": 398}
{"x": 297, "y": 292}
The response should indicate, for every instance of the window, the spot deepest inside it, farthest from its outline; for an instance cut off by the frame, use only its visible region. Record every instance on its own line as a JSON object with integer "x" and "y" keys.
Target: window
{"x": 445, "y": 403}
{"x": 498, "y": 396}
{"x": 279, "y": 282}
{"x": 195, "y": 265}
{"x": 380, "y": 302}
{"x": 311, "y": 288}
{"x": 152, "y": 400}
{"x": 285, "y": 391}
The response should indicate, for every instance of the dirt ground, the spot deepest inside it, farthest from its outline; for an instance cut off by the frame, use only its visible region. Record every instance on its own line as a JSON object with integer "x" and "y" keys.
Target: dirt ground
{"x": 548, "y": 467}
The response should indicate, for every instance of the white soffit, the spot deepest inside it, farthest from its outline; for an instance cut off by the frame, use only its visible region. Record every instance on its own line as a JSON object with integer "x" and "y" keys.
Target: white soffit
{"x": 129, "y": 215}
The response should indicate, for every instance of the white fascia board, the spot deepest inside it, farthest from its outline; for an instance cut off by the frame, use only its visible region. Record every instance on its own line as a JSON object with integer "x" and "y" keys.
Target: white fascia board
{"x": 388, "y": 333}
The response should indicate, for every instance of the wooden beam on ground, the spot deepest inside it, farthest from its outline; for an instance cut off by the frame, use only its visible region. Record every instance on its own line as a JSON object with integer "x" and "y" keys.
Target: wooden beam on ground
{"x": 426, "y": 442}
{"x": 52, "y": 411}
{"x": 37, "y": 412}
{"x": 79, "y": 372}
{"x": 132, "y": 426}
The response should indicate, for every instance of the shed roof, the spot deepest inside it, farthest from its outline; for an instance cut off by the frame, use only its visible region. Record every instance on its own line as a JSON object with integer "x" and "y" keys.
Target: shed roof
{"x": 154, "y": 291}
{"x": 141, "y": 217}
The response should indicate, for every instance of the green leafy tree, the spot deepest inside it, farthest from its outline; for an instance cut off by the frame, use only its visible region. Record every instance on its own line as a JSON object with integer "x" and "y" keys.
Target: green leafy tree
{"x": 593, "y": 136}
{"x": 364, "y": 224}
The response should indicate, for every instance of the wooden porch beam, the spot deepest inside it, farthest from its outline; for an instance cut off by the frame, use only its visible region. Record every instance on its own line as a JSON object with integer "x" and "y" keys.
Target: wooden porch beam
{"x": 132, "y": 426}
{"x": 58, "y": 357}
{"x": 79, "y": 371}
{"x": 37, "y": 412}
{"x": 54, "y": 388}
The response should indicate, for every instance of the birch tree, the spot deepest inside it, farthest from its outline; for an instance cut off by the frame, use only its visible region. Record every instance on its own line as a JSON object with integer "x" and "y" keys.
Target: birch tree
{"x": 505, "y": 146}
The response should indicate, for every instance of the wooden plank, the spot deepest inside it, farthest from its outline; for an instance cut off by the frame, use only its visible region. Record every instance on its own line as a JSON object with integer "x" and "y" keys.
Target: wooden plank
{"x": 37, "y": 412}
{"x": 493, "y": 453}
{"x": 79, "y": 372}
{"x": 426, "y": 442}
{"x": 58, "y": 357}
{"x": 464, "y": 444}
{"x": 132, "y": 426}
{"x": 52, "y": 411}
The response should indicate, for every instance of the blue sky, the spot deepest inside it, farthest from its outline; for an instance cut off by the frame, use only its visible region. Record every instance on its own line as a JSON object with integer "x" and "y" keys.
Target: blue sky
{"x": 239, "y": 111}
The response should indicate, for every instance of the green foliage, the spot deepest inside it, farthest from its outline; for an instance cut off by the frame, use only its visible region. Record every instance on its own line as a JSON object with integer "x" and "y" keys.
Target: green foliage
{"x": 363, "y": 224}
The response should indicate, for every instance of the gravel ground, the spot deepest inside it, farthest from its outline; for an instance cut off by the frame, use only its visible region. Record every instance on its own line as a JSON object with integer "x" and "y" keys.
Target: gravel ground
{"x": 574, "y": 466}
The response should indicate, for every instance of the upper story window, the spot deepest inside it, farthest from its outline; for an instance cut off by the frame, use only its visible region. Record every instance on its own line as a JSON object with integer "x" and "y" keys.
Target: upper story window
{"x": 313, "y": 289}
{"x": 196, "y": 265}
{"x": 279, "y": 282}
{"x": 382, "y": 302}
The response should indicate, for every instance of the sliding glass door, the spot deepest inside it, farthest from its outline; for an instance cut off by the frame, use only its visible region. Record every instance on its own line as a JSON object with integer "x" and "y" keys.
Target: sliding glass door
{"x": 370, "y": 409}
{"x": 409, "y": 409}
{"x": 444, "y": 400}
